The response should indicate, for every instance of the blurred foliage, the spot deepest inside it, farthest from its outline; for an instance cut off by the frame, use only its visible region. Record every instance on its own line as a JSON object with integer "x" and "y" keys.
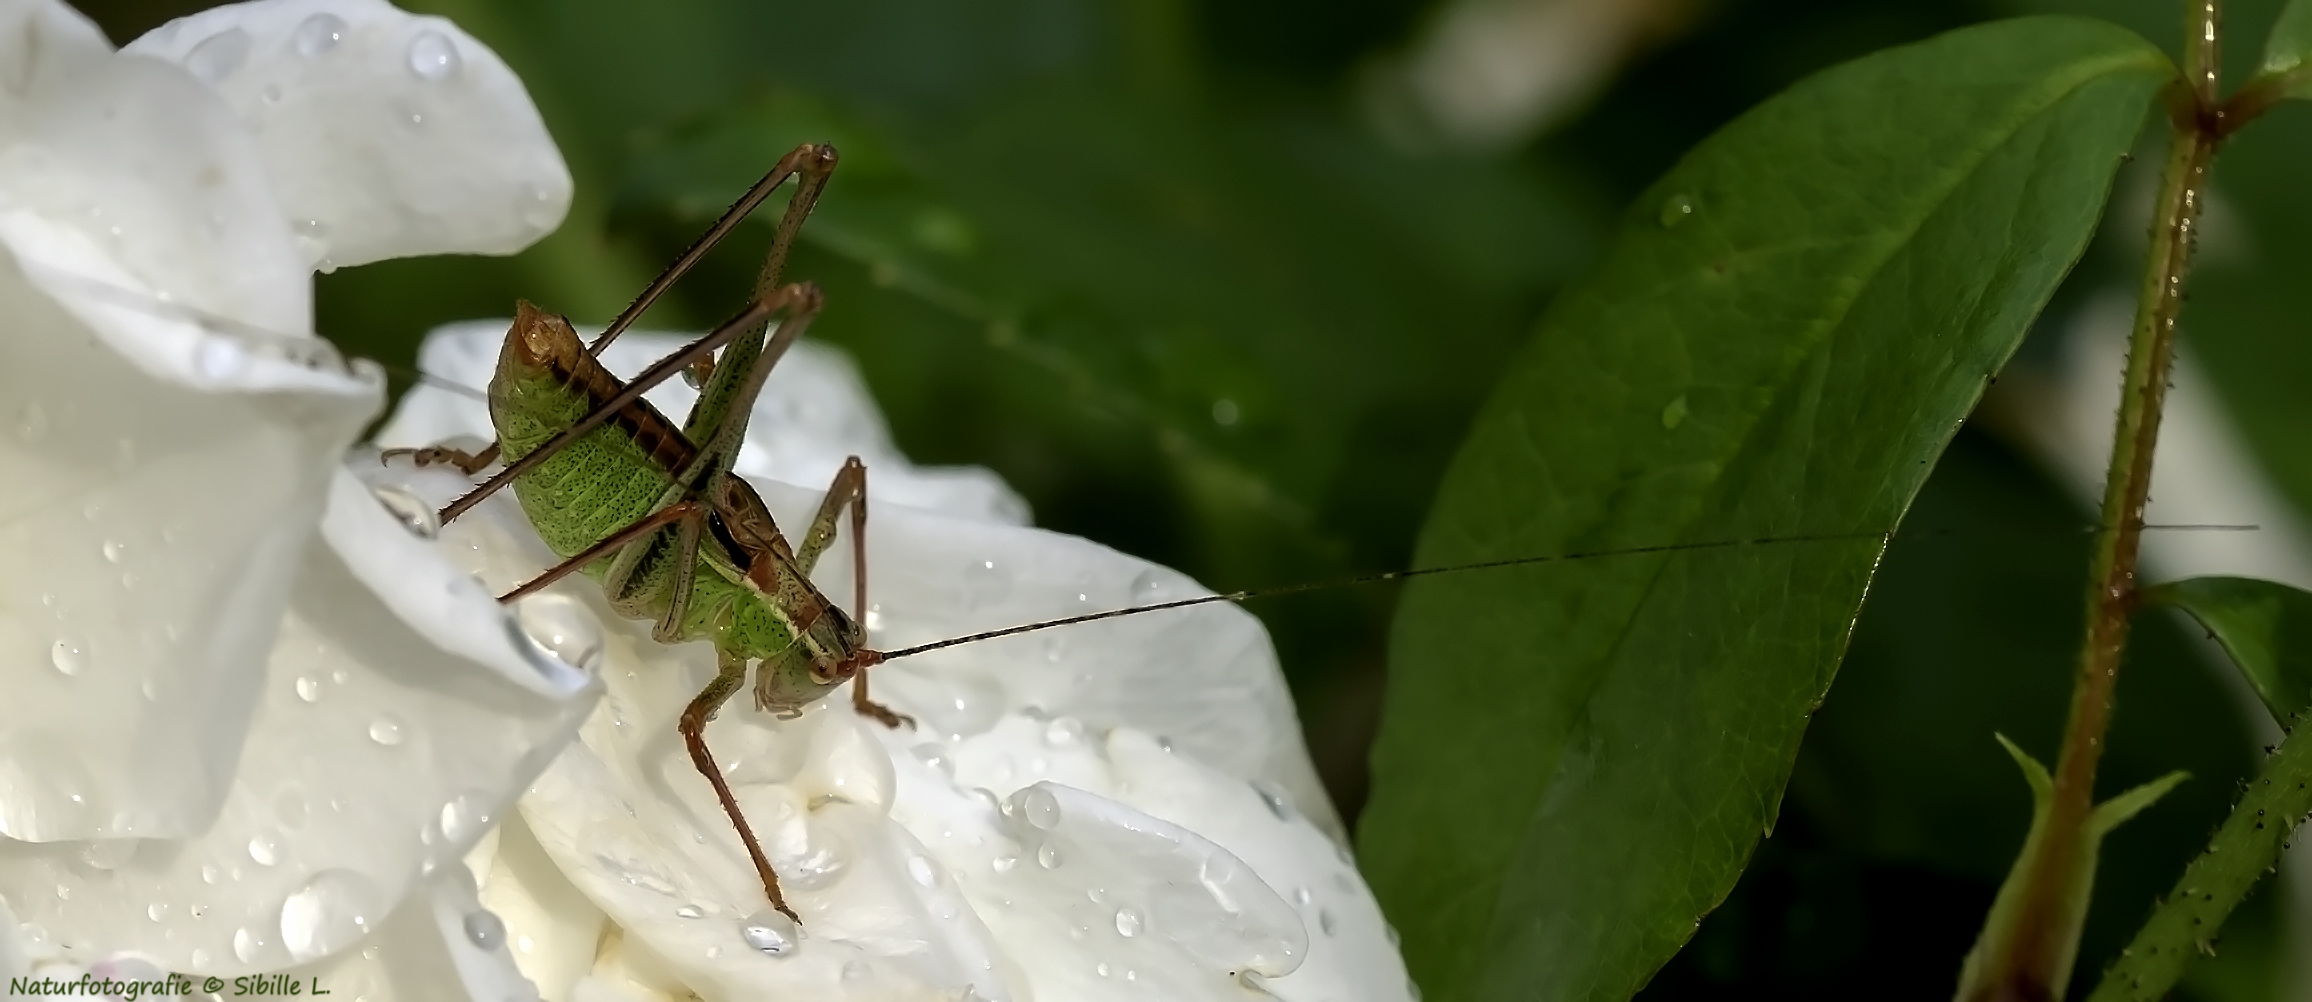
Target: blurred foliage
{"x": 1067, "y": 230}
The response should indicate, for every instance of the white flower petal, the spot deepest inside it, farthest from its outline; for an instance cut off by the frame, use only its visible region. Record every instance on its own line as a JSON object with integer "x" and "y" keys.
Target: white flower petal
{"x": 166, "y": 523}
{"x": 387, "y": 134}
{"x": 555, "y": 928}
{"x": 374, "y": 755}
{"x": 155, "y": 177}
{"x": 440, "y": 945}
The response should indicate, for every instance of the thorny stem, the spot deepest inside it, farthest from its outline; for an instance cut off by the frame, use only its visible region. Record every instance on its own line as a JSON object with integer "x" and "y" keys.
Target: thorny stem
{"x": 2030, "y": 965}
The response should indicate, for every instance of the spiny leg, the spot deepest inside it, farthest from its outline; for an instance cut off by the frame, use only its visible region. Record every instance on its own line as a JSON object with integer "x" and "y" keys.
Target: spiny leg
{"x": 730, "y": 673}
{"x": 815, "y": 162}
{"x": 849, "y": 489}
{"x": 641, "y": 530}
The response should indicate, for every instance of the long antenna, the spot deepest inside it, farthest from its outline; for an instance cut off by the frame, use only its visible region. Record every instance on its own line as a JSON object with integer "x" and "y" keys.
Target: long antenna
{"x": 1362, "y": 579}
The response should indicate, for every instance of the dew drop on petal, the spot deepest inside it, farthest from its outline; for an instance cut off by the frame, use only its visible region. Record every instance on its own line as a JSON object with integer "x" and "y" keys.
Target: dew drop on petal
{"x": 385, "y": 730}
{"x": 1275, "y": 800}
{"x": 1048, "y": 857}
{"x": 265, "y": 849}
{"x": 114, "y": 551}
{"x": 935, "y": 755}
{"x": 485, "y": 929}
{"x": 308, "y": 689}
{"x": 158, "y": 911}
{"x": 328, "y": 914}
{"x": 1003, "y": 864}
{"x": 1325, "y": 920}
{"x": 318, "y": 34}
{"x": 562, "y": 628}
{"x": 769, "y": 931}
{"x": 246, "y": 945}
{"x": 66, "y": 655}
{"x": 432, "y": 56}
{"x": 1128, "y": 923}
{"x": 410, "y": 510}
{"x": 1063, "y": 732}
{"x": 922, "y": 870}
{"x": 1041, "y": 808}
{"x": 218, "y": 55}
{"x": 688, "y": 912}
{"x": 465, "y": 816}
{"x": 220, "y": 358}
{"x": 108, "y": 853}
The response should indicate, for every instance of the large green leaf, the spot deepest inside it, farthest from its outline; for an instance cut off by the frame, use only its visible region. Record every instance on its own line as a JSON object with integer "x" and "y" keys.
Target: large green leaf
{"x": 2265, "y": 626}
{"x": 1577, "y": 757}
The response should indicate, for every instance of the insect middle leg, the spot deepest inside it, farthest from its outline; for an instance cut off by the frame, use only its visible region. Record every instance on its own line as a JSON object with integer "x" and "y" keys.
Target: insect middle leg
{"x": 730, "y": 673}
{"x": 849, "y": 489}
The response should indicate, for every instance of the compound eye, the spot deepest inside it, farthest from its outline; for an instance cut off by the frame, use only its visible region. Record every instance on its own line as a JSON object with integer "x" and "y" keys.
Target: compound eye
{"x": 823, "y": 670}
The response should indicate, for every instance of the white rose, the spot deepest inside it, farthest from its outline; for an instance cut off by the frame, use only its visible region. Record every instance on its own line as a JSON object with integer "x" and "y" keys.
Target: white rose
{"x": 1113, "y": 810}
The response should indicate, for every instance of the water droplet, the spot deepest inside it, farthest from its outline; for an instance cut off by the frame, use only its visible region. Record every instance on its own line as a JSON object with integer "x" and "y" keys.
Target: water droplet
{"x": 328, "y": 914}
{"x": 432, "y": 55}
{"x": 218, "y": 55}
{"x": 769, "y": 931}
{"x": 1041, "y": 808}
{"x": 219, "y": 358}
{"x": 561, "y": 628}
{"x": 200, "y": 958}
{"x": 1101, "y": 968}
{"x": 318, "y": 34}
{"x": 410, "y": 510}
{"x": 109, "y": 853}
{"x": 1325, "y": 920}
{"x": 385, "y": 730}
{"x": 158, "y": 911}
{"x": 265, "y": 849}
{"x": 1275, "y": 799}
{"x": 1301, "y": 895}
{"x": 465, "y": 816}
{"x": 1064, "y": 731}
{"x": 1128, "y": 923}
{"x": 247, "y": 946}
{"x": 208, "y": 874}
{"x": 688, "y": 911}
{"x": 485, "y": 929}
{"x": 1003, "y": 864}
{"x": 67, "y": 656}
{"x": 1674, "y": 413}
{"x": 922, "y": 870}
{"x": 32, "y": 423}
{"x": 63, "y": 892}
{"x": 1225, "y": 412}
{"x": 308, "y": 689}
{"x": 1048, "y": 857}
{"x": 935, "y": 755}
{"x": 1677, "y": 209}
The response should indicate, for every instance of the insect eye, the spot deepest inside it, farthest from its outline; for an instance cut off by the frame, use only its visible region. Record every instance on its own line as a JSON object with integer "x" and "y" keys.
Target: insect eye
{"x": 823, "y": 670}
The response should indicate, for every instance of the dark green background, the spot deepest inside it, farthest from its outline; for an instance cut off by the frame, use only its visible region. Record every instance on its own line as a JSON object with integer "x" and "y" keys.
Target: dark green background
{"x": 1065, "y": 229}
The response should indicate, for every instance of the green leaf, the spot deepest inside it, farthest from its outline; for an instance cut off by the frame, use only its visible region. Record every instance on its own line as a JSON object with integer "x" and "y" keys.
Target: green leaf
{"x": 2265, "y": 626}
{"x": 1577, "y": 757}
{"x": 2288, "y": 47}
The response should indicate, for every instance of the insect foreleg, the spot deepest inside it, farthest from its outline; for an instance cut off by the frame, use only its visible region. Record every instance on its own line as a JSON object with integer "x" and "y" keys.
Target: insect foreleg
{"x": 730, "y": 673}
{"x": 849, "y": 489}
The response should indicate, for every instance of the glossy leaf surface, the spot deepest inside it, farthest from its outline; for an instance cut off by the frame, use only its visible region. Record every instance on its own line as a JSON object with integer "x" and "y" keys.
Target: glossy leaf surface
{"x": 1578, "y": 757}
